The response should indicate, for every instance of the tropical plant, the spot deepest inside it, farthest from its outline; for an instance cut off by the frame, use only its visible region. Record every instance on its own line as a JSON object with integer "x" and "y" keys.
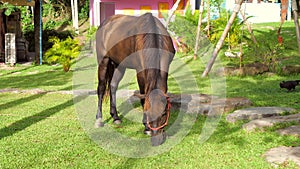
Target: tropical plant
{"x": 235, "y": 35}
{"x": 27, "y": 19}
{"x": 62, "y": 52}
{"x": 184, "y": 28}
{"x": 8, "y": 8}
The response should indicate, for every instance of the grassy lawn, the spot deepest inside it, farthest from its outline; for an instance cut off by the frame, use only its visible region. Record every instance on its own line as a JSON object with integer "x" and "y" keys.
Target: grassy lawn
{"x": 29, "y": 77}
{"x": 45, "y": 131}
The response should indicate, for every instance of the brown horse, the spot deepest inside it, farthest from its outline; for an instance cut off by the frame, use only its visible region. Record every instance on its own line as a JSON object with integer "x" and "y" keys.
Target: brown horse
{"x": 141, "y": 43}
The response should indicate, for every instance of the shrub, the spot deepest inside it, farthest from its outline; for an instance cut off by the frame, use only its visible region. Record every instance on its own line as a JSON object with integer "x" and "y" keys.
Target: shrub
{"x": 236, "y": 33}
{"x": 62, "y": 35}
{"x": 185, "y": 27}
{"x": 62, "y": 52}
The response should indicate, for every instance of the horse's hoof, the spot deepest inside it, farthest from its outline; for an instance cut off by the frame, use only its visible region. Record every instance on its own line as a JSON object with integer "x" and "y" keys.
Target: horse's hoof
{"x": 147, "y": 132}
{"x": 99, "y": 123}
{"x": 117, "y": 122}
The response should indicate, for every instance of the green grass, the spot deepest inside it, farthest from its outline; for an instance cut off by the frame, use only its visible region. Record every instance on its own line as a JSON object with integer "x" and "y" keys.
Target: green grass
{"x": 40, "y": 132}
{"x": 46, "y": 131}
{"x": 29, "y": 77}
{"x": 43, "y": 130}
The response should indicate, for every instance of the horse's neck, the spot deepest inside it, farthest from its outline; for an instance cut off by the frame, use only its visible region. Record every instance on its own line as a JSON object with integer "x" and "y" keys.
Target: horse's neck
{"x": 153, "y": 81}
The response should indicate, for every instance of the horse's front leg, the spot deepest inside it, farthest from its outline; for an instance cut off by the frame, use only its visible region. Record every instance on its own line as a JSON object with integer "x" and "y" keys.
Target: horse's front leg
{"x": 141, "y": 81}
{"x": 118, "y": 75}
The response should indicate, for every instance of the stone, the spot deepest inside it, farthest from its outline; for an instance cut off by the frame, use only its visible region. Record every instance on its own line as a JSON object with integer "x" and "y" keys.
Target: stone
{"x": 292, "y": 130}
{"x": 249, "y": 69}
{"x": 290, "y": 69}
{"x": 204, "y": 104}
{"x": 270, "y": 121}
{"x": 280, "y": 155}
{"x": 253, "y": 113}
{"x": 195, "y": 103}
{"x": 189, "y": 103}
{"x": 236, "y": 103}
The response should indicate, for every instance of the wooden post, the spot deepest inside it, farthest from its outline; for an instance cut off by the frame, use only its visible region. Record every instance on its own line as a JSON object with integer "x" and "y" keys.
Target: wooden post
{"x": 198, "y": 29}
{"x": 221, "y": 40}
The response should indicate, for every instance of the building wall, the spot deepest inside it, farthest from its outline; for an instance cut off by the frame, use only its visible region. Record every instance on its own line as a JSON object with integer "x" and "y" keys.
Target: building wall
{"x": 129, "y": 7}
{"x": 260, "y": 11}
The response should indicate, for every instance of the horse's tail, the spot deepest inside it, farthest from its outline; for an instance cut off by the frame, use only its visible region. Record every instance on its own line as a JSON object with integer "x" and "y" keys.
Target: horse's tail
{"x": 108, "y": 77}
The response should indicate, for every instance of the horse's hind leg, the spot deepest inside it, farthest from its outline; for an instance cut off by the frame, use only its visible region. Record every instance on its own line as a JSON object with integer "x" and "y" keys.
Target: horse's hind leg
{"x": 118, "y": 75}
{"x": 101, "y": 90}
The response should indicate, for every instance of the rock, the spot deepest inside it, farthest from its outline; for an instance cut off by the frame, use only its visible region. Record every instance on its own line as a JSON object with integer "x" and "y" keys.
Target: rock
{"x": 292, "y": 130}
{"x": 196, "y": 103}
{"x": 189, "y": 102}
{"x": 237, "y": 102}
{"x": 280, "y": 155}
{"x": 270, "y": 121}
{"x": 253, "y": 113}
{"x": 290, "y": 69}
{"x": 204, "y": 104}
{"x": 250, "y": 69}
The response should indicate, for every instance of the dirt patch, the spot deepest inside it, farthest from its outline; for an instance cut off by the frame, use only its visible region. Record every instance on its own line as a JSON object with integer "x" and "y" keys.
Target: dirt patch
{"x": 4, "y": 66}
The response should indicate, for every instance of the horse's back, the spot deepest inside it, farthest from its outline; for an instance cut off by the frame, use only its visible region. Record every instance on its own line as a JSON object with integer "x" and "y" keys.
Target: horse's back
{"x": 123, "y": 35}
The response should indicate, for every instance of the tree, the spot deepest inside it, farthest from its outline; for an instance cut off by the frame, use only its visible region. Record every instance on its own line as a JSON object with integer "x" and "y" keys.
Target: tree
{"x": 37, "y": 27}
{"x": 74, "y": 6}
{"x": 295, "y": 13}
{"x": 172, "y": 11}
{"x": 199, "y": 29}
{"x": 2, "y": 32}
{"x": 221, "y": 40}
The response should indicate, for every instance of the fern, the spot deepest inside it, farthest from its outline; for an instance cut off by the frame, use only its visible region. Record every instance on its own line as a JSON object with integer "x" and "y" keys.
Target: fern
{"x": 62, "y": 52}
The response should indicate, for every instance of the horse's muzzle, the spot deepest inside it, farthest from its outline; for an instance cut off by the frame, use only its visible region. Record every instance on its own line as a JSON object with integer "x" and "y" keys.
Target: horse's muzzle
{"x": 159, "y": 139}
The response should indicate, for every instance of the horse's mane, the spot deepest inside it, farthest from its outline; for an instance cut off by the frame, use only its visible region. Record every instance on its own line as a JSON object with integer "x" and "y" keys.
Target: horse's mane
{"x": 150, "y": 42}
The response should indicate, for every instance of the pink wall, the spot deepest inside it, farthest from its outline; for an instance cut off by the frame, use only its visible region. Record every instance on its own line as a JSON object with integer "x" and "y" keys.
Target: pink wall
{"x": 129, "y": 7}
{"x": 135, "y": 4}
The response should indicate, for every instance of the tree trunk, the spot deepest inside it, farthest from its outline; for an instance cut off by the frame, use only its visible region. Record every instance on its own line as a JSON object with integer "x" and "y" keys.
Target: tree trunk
{"x": 187, "y": 5}
{"x": 198, "y": 29}
{"x": 221, "y": 40}
{"x": 76, "y": 16}
{"x": 283, "y": 13}
{"x": 73, "y": 13}
{"x": 172, "y": 11}
{"x": 295, "y": 13}
{"x": 208, "y": 18}
{"x": 248, "y": 27}
{"x": 37, "y": 27}
{"x": 2, "y": 33}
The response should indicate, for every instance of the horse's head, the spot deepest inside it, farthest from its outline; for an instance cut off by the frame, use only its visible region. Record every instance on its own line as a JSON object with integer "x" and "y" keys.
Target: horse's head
{"x": 157, "y": 109}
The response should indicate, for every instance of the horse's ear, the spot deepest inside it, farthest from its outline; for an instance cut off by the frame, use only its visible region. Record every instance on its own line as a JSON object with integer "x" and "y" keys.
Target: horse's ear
{"x": 139, "y": 95}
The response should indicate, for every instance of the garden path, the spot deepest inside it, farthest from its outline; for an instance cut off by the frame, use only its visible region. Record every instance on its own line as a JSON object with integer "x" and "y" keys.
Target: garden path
{"x": 261, "y": 117}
